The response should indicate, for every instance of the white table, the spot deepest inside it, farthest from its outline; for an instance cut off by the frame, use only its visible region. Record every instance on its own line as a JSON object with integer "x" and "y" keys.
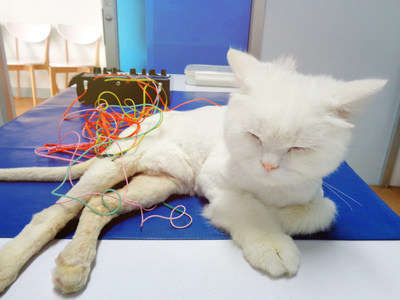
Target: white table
{"x": 216, "y": 270}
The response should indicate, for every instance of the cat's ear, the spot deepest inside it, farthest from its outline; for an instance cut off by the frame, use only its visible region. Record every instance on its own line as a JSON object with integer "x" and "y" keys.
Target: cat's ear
{"x": 353, "y": 91}
{"x": 244, "y": 66}
{"x": 347, "y": 94}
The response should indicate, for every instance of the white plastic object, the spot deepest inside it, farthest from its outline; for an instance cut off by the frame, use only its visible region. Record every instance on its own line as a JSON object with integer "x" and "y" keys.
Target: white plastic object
{"x": 81, "y": 35}
{"x": 210, "y": 75}
{"x": 30, "y": 33}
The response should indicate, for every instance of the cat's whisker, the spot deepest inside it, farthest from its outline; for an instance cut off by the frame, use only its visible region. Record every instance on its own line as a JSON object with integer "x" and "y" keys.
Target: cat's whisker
{"x": 341, "y": 198}
{"x": 339, "y": 191}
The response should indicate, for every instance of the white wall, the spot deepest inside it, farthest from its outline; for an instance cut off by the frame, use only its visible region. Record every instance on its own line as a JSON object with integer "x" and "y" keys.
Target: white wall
{"x": 7, "y": 111}
{"x": 349, "y": 39}
{"x": 71, "y": 12}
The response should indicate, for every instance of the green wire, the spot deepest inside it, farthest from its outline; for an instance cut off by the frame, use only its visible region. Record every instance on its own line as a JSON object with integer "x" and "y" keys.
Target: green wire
{"x": 171, "y": 207}
{"x": 54, "y": 192}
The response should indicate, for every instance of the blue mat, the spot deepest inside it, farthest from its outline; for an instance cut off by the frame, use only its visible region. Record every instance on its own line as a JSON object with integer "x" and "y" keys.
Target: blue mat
{"x": 369, "y": 218}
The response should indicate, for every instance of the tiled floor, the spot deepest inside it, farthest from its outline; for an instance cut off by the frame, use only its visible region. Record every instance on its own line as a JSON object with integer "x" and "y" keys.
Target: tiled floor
{"x": 24, "y": 104}
{"x": 390, "y": 195}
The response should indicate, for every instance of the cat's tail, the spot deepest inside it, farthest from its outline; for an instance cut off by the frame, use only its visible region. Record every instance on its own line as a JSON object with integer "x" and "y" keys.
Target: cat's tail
{"x": 44, "y": 173}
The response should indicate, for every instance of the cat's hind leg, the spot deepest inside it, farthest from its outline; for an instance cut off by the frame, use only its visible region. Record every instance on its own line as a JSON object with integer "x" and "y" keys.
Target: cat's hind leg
{"x": 74, "y": 262}
{"x": 47, "y": 223}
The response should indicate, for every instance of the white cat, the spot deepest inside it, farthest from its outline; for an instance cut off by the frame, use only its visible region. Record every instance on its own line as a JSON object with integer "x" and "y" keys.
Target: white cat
{"x": 259, "y": 161}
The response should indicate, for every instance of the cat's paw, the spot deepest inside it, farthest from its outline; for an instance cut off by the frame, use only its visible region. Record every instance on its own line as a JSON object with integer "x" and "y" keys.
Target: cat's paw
{"x": 6, "y": 280}
{"x": 68, "y": 278}
{"x": 275, "y": 255}
{"x": 8, "y": 272}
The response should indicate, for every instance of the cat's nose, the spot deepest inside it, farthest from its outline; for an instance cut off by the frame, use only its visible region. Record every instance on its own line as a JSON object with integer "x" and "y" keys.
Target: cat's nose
{"x": 269, "y": 167}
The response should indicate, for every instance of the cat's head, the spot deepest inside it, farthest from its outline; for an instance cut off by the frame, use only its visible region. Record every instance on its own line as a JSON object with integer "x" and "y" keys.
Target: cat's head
{"x": 283, "y": 126}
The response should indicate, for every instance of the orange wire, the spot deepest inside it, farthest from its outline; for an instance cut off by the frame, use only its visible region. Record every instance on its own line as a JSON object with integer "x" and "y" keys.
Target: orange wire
{"x": 193, "y": 100}
{"x": 103, "y": 125}
{"x": 73, "y": 102}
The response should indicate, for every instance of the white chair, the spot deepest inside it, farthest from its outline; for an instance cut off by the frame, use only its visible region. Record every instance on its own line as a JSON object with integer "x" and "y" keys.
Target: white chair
{"x": 78, "y": 35}
{"x": 29, "y": 34}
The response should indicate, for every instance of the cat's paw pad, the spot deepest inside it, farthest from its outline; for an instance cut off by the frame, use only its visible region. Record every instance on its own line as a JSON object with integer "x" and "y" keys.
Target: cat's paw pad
{"x": 70, "y": 278}
{"x": 277, "y": 256}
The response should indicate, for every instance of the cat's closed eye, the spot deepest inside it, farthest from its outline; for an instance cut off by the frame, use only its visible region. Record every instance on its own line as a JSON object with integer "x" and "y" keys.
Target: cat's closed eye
{"x": 254, "y": 136}
{"x": 296, "y": 148}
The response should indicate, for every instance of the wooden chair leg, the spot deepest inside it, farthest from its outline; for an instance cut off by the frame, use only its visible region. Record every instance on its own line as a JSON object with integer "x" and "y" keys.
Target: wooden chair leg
{"x": 33, "y": 82}
{"x": 66, "y": 79}
{"x": 18, "y": 86}
{"x": 53, "y": 82}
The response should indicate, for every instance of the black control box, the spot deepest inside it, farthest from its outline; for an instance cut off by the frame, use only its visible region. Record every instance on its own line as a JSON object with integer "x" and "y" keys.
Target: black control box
{"x": 117, "y": 88}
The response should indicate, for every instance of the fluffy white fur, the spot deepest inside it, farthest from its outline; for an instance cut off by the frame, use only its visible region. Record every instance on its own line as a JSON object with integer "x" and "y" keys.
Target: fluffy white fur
{"x": 259, "y": 161}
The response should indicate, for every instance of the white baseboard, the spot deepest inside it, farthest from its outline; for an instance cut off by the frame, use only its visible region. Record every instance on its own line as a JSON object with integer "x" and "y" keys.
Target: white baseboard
{"x": 27, "y": 92}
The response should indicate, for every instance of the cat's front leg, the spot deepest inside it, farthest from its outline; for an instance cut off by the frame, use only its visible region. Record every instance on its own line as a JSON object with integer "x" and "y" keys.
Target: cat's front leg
{"x": 47, "y": 223}
{"x": 253, "y": 227}
{"x": 74, "y": 262}
{"x": 42, "y": 229}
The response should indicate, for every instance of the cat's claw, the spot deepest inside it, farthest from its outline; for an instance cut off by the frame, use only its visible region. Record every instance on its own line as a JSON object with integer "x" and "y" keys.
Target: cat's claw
{"x": 70, "y": 278}
{"x": 277, "y": 256}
